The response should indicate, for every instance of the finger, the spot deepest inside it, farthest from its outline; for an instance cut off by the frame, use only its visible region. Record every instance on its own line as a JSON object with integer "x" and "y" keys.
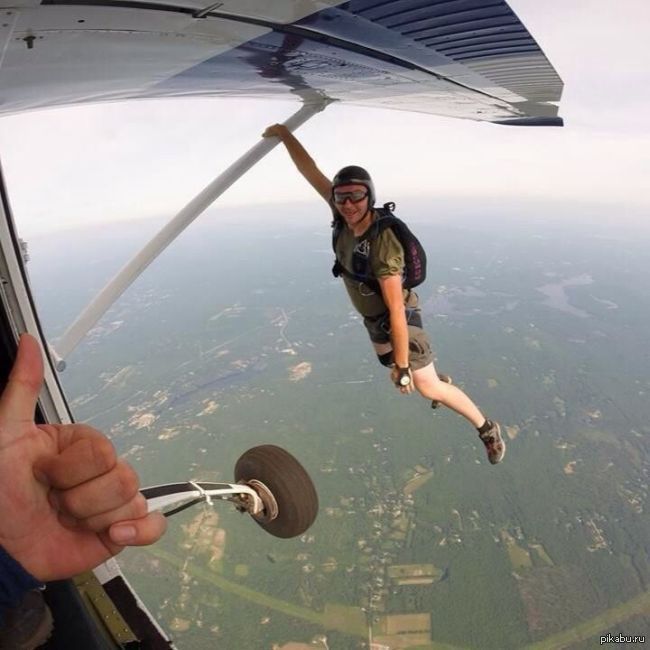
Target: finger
{"x": 138, "y": 532}
{"x": 86, "y": 455}
{"x": 106, "y": 492}
{"x": 136, "y": 508}
{"x": 20, "y": 395}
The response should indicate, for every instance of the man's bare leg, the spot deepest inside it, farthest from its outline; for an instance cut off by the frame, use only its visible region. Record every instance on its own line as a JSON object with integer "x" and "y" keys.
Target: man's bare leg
{"x": 429, "y": 385}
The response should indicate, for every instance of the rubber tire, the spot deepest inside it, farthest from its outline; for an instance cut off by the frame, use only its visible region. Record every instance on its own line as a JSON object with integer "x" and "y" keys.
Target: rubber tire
{"x": 289, "y": 483}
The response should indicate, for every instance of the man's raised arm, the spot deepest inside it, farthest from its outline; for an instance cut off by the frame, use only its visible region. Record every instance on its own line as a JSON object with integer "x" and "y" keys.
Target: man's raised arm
{"x": 302, "y": 160}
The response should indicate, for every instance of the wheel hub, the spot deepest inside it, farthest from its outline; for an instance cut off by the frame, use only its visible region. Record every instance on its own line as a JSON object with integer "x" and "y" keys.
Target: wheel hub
{"x": 270, "y": 510}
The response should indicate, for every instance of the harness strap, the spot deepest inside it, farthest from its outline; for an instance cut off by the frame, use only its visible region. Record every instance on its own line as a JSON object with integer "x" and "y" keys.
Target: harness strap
{"x": 383, "y": 221}
{"x": 413, "y": 317}
{"x": 338, "y": 270}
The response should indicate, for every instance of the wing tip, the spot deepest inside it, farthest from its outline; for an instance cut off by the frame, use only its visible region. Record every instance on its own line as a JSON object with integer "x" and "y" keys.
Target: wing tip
{"x": 531, "y": 121}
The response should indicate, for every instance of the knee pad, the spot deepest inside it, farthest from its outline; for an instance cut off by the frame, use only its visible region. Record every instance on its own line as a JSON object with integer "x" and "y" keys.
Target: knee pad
{"x": 386, "y": 359}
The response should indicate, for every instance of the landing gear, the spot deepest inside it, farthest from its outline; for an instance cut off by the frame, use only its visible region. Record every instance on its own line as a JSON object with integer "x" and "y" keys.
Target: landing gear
{"x": 271, "y": 486}
{"x": 288, "y": 494}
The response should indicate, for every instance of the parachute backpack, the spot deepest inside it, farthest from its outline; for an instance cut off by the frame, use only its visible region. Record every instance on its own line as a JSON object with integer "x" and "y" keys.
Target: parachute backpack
{"x": 415, "y": 259}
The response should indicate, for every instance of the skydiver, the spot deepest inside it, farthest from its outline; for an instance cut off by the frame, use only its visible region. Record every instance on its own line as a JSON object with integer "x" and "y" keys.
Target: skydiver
{"x": 399, "y": 340}
{"x": 67, "y": 504}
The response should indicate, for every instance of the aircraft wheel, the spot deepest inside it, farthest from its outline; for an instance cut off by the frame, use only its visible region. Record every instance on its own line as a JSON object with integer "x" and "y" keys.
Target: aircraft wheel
{"x": 288, "y": 483}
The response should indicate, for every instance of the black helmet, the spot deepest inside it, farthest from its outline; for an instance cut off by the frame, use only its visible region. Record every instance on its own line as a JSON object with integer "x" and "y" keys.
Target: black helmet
{"x": 355, "y": 175}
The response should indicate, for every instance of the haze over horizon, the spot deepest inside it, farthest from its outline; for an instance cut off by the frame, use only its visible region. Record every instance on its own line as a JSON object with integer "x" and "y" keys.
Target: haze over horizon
{"x": 117, "y": 162}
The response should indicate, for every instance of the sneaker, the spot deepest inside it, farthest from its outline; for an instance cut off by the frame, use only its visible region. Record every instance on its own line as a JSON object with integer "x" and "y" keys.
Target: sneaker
{"x": 27, "y": 626}
{"x": 494, "y": 443}
{"x": 447, "y": 379}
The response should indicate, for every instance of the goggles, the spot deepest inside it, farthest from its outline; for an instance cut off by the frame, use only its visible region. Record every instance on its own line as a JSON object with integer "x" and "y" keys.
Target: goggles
{"x": 356, "y": 197}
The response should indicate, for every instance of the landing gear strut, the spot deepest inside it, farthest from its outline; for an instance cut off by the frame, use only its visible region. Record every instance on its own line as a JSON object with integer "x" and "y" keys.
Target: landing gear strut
{"x": 270, "y": 485}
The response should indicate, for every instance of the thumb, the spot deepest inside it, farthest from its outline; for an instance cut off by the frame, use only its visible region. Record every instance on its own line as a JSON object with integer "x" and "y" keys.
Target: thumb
{"x": 20, "y": 395}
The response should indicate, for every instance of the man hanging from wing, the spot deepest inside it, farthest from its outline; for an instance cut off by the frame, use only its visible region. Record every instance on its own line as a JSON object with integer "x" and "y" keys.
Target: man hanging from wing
{"x": 390, "y": 311}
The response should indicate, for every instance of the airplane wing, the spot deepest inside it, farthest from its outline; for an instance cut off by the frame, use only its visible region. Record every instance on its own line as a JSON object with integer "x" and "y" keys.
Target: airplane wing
{"x": 471, "y": 59}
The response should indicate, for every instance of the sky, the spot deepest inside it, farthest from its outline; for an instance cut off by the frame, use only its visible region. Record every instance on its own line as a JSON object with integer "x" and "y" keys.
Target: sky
{"x": 82, "y": 166}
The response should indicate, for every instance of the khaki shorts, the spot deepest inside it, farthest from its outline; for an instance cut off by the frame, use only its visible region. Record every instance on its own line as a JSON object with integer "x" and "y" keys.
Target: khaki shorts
{"x": 420, "y": 353}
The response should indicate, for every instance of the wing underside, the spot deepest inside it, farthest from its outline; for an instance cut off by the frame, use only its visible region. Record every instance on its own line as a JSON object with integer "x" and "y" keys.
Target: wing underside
{"x": 470, "y": 59}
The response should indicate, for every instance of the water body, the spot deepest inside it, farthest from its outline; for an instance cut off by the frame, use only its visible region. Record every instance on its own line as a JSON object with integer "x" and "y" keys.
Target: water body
{"x": 609, "y": 304}
{"x": 556, "y": 296}
{"x": 444, "y": 304}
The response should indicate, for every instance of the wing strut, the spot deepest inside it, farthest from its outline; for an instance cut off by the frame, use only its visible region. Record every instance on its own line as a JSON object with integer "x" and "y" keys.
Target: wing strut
{"x": 132, "y": 269}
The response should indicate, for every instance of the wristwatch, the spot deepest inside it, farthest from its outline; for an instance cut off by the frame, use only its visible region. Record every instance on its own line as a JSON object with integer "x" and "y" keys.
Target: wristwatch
{"x": 403, "y": 376}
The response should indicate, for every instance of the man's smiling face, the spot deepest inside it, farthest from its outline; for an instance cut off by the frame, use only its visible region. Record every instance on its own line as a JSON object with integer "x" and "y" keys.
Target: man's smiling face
{"x": 352, "y": 202}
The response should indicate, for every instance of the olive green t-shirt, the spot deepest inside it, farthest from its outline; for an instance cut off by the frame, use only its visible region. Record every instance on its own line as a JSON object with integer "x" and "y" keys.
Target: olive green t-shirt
{"x": 386, "y": 258}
